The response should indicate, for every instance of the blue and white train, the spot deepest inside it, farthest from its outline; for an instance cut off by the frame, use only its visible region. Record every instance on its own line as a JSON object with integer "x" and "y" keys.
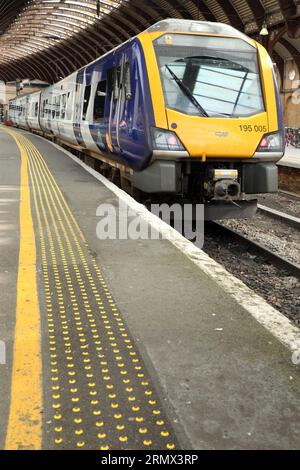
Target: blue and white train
{"x": 186, "y": 110}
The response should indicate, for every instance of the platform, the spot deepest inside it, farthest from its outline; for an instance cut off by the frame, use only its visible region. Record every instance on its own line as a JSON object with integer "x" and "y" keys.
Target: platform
{"x": 289, "y": 170}
{"x": 123, "y": 344}
{"x": 291, "y": 157}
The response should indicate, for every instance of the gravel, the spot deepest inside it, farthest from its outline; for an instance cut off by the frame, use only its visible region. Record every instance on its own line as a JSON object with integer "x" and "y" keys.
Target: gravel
{"x": 276, "y": 286}
{"x": 273, "y": 234}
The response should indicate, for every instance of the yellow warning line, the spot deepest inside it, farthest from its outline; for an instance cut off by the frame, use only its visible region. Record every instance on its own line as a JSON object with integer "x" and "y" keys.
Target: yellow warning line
{"x": 24, "y": 429}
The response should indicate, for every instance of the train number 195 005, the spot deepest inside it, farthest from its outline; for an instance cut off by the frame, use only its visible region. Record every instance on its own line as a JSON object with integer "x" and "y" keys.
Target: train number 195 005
{"x": 249, "y": 128}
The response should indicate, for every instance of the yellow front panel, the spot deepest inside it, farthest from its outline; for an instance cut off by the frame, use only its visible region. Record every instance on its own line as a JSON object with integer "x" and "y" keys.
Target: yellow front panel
{"x": 268, "y": 87}
{"x": 214, "y": 137}
{"x": 218, "y": 137}
{"x": 154, "y": 79}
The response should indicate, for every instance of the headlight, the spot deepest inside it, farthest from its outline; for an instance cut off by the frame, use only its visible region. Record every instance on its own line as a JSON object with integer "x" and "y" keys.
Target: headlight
{"x": 165, "y": 140}
{"x": 272, "y": 142}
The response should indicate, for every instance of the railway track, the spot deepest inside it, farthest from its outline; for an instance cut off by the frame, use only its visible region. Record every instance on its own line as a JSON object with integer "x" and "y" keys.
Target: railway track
{"x": 255, "y": 248}
{"x": 278, "y": 215}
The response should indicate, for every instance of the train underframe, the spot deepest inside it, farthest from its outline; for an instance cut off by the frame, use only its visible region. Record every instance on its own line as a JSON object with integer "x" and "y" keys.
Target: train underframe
{"x": 226, "y": 188}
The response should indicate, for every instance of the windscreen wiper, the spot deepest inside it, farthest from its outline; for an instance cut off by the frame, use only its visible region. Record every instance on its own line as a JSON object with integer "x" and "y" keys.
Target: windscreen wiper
{"x": 187, "y": 92}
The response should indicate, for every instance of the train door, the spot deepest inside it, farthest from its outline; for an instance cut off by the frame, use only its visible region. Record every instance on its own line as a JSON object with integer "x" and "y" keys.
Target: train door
{"x": 128, "y": 122}
{"x": 116, "y": 80}
{"x": 53, "y": 115}
{"x": 90, "y": 85}
{"x": 78, "y": 107}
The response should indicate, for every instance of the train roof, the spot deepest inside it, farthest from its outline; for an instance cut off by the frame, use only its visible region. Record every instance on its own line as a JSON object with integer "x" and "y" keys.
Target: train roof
{"x": 24, "y": 95}
{"x": 171, "y": 24}
{"x": 194, "y": 26}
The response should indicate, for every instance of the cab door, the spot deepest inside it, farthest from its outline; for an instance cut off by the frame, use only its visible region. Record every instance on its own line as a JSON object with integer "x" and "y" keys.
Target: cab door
{"x": 116, "y": 80}
{"x": 128, "y": 113}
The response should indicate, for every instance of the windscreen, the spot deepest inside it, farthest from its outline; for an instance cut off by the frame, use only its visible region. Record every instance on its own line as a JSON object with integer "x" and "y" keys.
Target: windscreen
{"x": 209, "y": 76}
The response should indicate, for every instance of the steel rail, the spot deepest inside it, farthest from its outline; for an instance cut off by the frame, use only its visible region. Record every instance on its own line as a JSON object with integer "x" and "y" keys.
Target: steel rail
{"x": 257, "y": 248}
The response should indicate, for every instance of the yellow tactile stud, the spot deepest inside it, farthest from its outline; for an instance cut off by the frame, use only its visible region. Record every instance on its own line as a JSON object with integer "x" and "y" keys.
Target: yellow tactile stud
{"x": 143, "y": 430}
{"x": 160, "y": 422}
{"x": 171, "y": 446}
{"x": 147, "y": 442}
{"x": 120, "y": 427}
{"x": 80, "y": 444}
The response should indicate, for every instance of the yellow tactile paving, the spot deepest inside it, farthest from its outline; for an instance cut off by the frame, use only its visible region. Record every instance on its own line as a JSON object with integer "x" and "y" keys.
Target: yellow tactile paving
{"x": 97, "y": 393}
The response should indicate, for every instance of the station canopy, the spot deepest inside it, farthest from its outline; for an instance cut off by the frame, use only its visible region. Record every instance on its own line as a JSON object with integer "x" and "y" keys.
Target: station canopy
{"x": 49, "y": 39}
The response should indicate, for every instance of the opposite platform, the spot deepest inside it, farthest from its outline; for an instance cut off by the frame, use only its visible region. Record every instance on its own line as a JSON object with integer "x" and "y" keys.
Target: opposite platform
{"x": 139, "y": 347}
{"x": 291, "y": 157}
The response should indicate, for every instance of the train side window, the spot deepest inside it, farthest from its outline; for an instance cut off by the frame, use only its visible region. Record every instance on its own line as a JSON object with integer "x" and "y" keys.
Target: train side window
{"x": 57, "y": 113}
{"x": 99, "y": 103}
{"x": 110, "y": 83}
{"x": 36, "y": 110}
{"x": 86, "y": 100}
{"x": 114, "y": 82}
{"x": 117, "y": 82}
{"x": 63, "y": 106}
{"x": 45, "y": 108}
{"x": 69, "y": 106}
{"x": 127, "y": 81}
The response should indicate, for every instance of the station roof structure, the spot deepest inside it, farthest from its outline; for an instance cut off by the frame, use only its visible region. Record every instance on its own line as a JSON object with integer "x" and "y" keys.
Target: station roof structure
{"x": 49, "y": 39}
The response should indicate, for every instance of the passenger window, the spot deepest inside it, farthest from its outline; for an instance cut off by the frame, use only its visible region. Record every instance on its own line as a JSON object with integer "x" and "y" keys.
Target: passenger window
{"x": 114, "y": 82}
{"x": 58, "y": 98}
{"x": 63, "y": 106}
{"x": 99, "y": 103}
{"x": 110, "y": 82}
{"x": 69, "y": 106}
{"x": 127, "y": 81}
{"x": 36, "y": 109}
{"x": 87, "y": 94}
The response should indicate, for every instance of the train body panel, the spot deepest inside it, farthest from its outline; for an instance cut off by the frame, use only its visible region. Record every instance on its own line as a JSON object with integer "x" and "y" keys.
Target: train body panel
{"x": 34, "y": 111}
{"x": 19, "y": 111}
{"x": 178, "y": 106}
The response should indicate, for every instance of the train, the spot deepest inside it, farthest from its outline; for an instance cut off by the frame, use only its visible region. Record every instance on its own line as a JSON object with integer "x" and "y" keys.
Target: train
{"x": 185, "y": 111}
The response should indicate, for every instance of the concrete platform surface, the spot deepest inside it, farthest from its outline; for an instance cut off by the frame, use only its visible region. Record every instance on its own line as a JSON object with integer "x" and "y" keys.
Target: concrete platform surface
{"x": 291, "y": 157}
{"x": 140, "y": 347}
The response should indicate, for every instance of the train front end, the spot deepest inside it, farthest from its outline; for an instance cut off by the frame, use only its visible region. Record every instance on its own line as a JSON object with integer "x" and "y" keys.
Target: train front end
{"x": 218, "y": 128}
